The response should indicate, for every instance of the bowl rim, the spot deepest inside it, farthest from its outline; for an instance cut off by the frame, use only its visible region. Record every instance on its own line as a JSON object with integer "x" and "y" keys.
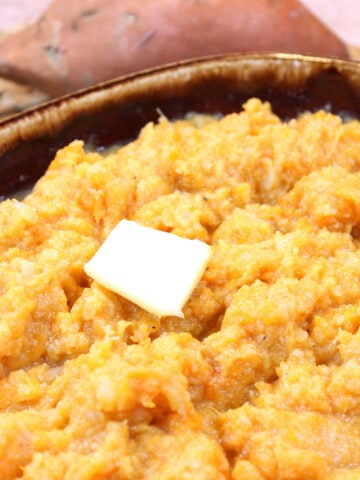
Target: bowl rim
{"x": 114, "y": 111}
{"x": 50, "y": 116}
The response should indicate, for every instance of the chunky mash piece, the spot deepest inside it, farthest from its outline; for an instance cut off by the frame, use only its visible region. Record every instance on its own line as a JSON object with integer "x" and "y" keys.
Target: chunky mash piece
{"x": 261, "y": 378}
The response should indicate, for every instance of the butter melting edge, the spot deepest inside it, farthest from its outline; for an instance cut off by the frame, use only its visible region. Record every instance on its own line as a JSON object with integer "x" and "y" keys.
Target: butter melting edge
{"x": 156, "y": 270}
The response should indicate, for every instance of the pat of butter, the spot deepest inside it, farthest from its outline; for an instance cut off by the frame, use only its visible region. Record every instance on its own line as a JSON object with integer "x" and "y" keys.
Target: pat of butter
{"x": 156, "y": 270}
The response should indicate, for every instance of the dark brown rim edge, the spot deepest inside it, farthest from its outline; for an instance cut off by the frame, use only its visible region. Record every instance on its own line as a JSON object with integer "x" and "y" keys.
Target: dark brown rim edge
{"x": 50, "y": 117}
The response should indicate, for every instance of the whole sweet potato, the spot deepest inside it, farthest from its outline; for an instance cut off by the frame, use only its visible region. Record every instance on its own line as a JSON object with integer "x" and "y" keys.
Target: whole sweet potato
{"x": 81, "y": 42}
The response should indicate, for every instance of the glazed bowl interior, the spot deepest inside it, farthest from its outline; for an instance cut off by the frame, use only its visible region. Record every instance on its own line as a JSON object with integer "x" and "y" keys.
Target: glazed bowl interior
{"x": 115, "y": 111}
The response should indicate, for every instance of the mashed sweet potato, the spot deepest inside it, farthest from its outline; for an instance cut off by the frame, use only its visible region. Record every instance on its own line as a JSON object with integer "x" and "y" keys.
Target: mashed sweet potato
{"x": 260, "y": 380}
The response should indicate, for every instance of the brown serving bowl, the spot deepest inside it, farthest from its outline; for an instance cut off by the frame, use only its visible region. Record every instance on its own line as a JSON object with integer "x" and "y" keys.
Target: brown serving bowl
{"x": 115, "y": 111}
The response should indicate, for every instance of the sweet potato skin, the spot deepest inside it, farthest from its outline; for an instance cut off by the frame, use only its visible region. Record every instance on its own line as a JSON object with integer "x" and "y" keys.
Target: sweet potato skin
{"x": 77, "y": 43}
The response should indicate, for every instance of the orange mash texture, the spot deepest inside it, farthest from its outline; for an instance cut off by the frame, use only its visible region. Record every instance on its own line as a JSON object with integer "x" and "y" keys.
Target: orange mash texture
{"x": 260, "y": 380}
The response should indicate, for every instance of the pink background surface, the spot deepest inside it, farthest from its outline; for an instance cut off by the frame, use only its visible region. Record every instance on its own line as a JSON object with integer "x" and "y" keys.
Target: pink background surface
{"x": 16, "y": 13}
{"x": 342, "y": 16}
